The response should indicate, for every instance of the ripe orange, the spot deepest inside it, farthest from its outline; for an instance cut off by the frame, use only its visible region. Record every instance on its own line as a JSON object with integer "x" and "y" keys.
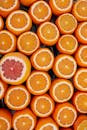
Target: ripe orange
{"x": 15, "y": 68}
{"x": 18, "y": 22}
{"x": 61, "y": 6}
{"x": 40, "y": 12}
{"x": 67, "y": 44}
{"x": 48, "y": 33}
{"x": 7, "y": 6}
{"x": 1, "y": 23}
{"x": 81, "y": 56}
{"x": 46, "y": 124}
{"x": 28, "y": 42}
{"x": 17, "y": 97}
{"x": 61, "y": 90}
{"x": 80, "y": 79}
{"x": 38, "y": 82}
{"x": 27, "y": 2}
{"x": 80, "y": 10}
{"x": 24, "y": 120}
{"x": 81, "y": 33}
{"x": 65, "y": 114}
{"x": 42, "y": 59}
{"x": 5, "y": 119}
{"x": 66, "y": 23}
{"x": 7, "y": 42}
{"x": 64, "y": 66}
{"x": 42, "y": 105}
{"x": 66, "y": 129}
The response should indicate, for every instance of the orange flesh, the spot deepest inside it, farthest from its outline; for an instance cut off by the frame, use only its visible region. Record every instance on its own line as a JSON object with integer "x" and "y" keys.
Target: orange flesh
{"x": 48, "y": 128}
{"x": 84, "y": 54}
{"x": 6, "y": 4}
{"x": 62, "y": 3}
{"x": 82, "y": 79}
{"x": 84, "y": 31}
{"x": 82, "y": 125}
{"x": 3, "y": 125}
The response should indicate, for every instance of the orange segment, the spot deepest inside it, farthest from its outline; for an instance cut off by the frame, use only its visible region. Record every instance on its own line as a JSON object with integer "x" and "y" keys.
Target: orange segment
{"x": 1, "y": 23}
{"x": 27, "y": 2}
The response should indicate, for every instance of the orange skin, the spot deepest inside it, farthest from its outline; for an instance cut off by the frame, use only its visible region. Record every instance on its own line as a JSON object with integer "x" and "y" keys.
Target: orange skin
{"x": 1, "y": 23}
{"x": 66, "y": 129}
{"x": 27, "y": 2}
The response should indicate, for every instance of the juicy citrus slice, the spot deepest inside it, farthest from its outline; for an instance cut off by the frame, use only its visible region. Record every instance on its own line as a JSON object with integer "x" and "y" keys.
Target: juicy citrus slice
{"x": 48, "y": 33}
{"x": 81, "y": 123}
{"x": 61, "y": 6}
{"x": 66, "y": 23}
{"x": 40, "y": 12}
{"x": 27, "y": 2}
{"x": 5, "y": 119}
{"x": 80, "y": 79}
{"x": 7, "y": 6}
{"x": 65, "y": 114}
{"x": 28, "y": 42}
{"x": 67, "y": 44}
{"x": 64, "y": 66}
{"x": 24, "y": 120}
{"x": 7, "y": 42}
{"x": 38, "y": 82}
{"x": 18, "y": 22}
{"x": 81, "y": 33}
{"x": 80, "y": 10}
{"x": 17, "y": 97}
{"x": 46, "y": 124}
{"x": 1, "y": 23}
{"x": 42, "y": 105}
{"x": 61, "y": 90}
{"x": 15, "y": 68}
{"x": 42, "y": 59}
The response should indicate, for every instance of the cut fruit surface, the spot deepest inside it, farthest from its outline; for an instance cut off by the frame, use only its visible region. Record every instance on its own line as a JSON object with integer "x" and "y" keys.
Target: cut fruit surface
{"x": 27, "y": 2}
{"x": 1, "y": 23}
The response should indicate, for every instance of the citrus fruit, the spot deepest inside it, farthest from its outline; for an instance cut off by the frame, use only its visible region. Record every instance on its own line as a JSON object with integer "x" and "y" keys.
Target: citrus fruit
{"x": 46, "y": 124}
{"x": 15, "y": 68}
{"x": 81, "y": 33}
{"x": 61, "y": 90}
{"x": 66, "y": 129}
{"x": 7, "y": 6}
{"x": 80, "y": 79}
{"x": 65, "y": 114}
{"x": 81, "y": 123}
{"x": 48, "y": 33}
{"x": 18, "y": 22}
{"x": 60, "y": 6}
{"x": 1, "y": 23}
{"x": 80, "y": 10}
{"x": 5, "y": 119}
{"x": 24, "y": 120}
{"x": 80, "y": 101}
{"x": 81, "y": 56}
{"x": 38, "y": 82}
{"x": 27, "y": 2}
{"x": 3, "y": 88}
{"x": 40, "y": 12}
{"x": 28, "y": 42}
{"x": 17, "y": 97}
{"x": 66, "y": 23}
{"x": 67, "y": 44}
{"x": 42, "y": 105}
{"x": 42, "y": 59}
{"x": 7, "y": 42}
{"x": 64, "y": 66}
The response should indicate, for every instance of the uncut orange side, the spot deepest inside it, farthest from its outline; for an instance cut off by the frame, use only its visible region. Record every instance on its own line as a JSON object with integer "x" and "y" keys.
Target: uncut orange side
{"x": 66, "y": 129}
{"x": 1, "y": 23}
{"x": 27, "y": 2}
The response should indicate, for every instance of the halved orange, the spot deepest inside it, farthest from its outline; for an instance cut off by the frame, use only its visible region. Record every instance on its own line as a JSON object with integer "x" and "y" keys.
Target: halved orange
{"x": 5, "y": 119}
{"x": 18, "y": 22}
{"x": 81, "y": 123}
{"x": 27, "y": 2}
{"x": 42, "y": 59}
{"x": 46, "y": 124}
{"x": 66, "y": 23}
{"x": 65, "y": 114}
{"x": 61, "y": 6}
{"x": 80, "y": 10}
{"x": 17, "y": 97}
{"x": 80, "y": 79}
{"x": 64, "y": 66}
{"x": 24, "y": 120}
{"x": 15, "y": 68}
{"x": 42, "y": 105}
{"x": 81, "y": 56}
{"x": 48, "y": 33}
{"x": 7, "y": 42}
{"x": 40, "y": 12}
{"x": 7, "y": 6}
{"x": 28, "y": 42}
{"x": 67, "y": 44}
{"x": 38, "y": 82}
{"x": 61, "y": 90}
{"x": 1, "y": 23}
{"x": 81, "y": 33}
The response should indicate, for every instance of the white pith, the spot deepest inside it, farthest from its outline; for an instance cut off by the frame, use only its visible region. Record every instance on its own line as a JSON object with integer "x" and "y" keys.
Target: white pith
{"x": 7, "y": 122}
{"x": 1, "y": 89}
{"x": 79, "y": 30}
{"x": 78, "y": 128}
{"x": 49, "y": 124}
{"x": 80, "y": 51}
